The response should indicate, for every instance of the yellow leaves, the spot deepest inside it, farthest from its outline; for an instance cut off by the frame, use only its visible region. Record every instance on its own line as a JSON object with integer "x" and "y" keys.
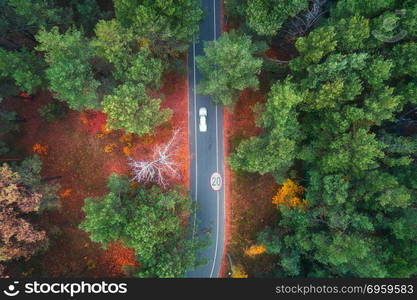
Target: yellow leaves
{"x": 109, "y": 148}
{"x": 126, "y": 138}
{"x": 144, "y": 43}
{"x": 255, "y": 250}
{"x": 65, "y": 193}
{"x": 104, "y": 129}
{"x": 39, "y": 149}
{"x": 239, "y": 272}
{"x": 127, "y": 150}
{"x": 290, "y": 195}
{"x": 83, "y": 118}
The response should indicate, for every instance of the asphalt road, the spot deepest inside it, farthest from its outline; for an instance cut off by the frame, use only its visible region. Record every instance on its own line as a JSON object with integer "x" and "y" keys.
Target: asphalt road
{"x": 207, "y": 154}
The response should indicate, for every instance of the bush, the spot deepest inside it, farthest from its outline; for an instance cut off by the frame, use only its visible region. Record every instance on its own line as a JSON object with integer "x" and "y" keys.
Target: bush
{"x": 53, "y": 111}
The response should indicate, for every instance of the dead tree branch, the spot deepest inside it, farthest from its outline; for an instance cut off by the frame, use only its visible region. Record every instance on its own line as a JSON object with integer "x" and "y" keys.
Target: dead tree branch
{"x": 160, "y": 167}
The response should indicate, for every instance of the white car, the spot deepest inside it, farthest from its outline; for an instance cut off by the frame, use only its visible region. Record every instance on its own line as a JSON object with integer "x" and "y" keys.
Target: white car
{"x": 203, "y": 119}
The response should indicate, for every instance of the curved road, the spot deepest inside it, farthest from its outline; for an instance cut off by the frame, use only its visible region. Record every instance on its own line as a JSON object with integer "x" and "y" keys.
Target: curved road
{"x": 207, "y": 154}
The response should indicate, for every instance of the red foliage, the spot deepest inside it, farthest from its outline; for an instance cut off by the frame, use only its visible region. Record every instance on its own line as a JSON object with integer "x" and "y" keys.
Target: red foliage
{"x": 25, "y": 95}
{"x": 248, "y": 193}
{"x": 94, "y": 121}
{"x": 76, "y": 153}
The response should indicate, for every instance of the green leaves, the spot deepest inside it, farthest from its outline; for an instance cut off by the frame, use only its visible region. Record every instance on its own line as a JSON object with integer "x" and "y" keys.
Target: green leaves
{"x": 131, "y": 109}
{"x": 23, "y": 67}
{"x": 406, "y": 59}
{"x": 167, "y": 24}
{"x": 346, "y": 116}
{"x": 314, "y": 47}
{"x": 69, "y": 73}
{"x": 228, "y": 67}
{"x": 148, "y": 221}
{"x": 275, "y": 151}
{"x": 352, "y": 33}
{"x": 267, "y": 17}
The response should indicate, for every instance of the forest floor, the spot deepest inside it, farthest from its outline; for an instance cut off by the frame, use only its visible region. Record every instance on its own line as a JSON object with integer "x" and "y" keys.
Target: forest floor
{"x": 249, "y": 207}
{"x": 248, "y": 195}
{"x": 79, "y": 148}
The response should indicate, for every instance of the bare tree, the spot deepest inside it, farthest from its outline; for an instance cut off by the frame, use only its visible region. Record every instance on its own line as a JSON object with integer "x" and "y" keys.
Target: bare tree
{"x": 301, "y": 24}
{"x": 160, "y": 167}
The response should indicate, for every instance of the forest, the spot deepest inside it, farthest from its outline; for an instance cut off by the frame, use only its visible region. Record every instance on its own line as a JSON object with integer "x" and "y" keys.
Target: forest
{"x": 337, "y": 120}
{"x": 321, "y": 129}
{"x": 93, "y": 106}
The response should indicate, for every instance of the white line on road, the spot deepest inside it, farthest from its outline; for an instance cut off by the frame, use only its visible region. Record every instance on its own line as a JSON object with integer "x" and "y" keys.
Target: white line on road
{"x": 195, "y": 139}
{"x": 217, "y": 159}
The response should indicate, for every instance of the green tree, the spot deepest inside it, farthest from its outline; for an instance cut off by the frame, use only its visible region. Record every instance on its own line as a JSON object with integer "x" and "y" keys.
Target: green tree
{"x": 134, "y": 216}
{"x": 352, "y": 33}
{"x": 405, "y": 57}
{"x": 275, "y": 151}
{"x": 228, "y": 67}
{"x": 353, "y": 147}
{"x": 167, "y": 25}
{"x": 367, "y": 8}
{"x": 267, "y": 17}
{"x": 314, "y": 47}
{"x": 23, "y": 67}
{"x": 69, "y": 73}
{"x": 130, "y": 108}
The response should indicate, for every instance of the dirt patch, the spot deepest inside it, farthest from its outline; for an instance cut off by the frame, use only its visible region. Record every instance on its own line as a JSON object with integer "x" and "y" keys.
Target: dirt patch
{"x": 80, "y": 150}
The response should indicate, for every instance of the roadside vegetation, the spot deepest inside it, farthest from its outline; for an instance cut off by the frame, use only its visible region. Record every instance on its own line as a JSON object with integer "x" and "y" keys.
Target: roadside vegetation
{"x": 338, "y": 132}
{"x": 87, "y": 87}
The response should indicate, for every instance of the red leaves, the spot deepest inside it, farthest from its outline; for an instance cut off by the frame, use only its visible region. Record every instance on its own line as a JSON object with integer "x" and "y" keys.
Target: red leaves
{"x": 94, "y": 121}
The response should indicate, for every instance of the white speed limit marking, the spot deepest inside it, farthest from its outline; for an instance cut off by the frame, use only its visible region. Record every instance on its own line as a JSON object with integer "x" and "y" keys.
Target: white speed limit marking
{"x": 216, "y": 181}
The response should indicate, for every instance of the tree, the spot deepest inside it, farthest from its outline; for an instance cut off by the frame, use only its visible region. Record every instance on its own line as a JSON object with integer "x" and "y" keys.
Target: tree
{"x": 275, "y": 151}
{"x": 349, "y": 106}
{"x": 118, "y": 45}
{"x": 160, "y": 167}
{"x": 131, "y": 109}
{"x": 367, "y": 8}
{"x": 255, "y": 250}
{"x": 22, "y": 195}
{"x": 19, "y": 238}
{"x": 228, "y": 67}
{"x": 23, "y": 67}
{"x": 267, "y": 17}
{"x": 69, "y": 73}
{"x": 134, "y": 216}
{"x": 314, "y": 47}
{"x": 352, "y": 33}
{"x": 405, "y": 59}
{"x": 169, "y": 26}
{"x": 21, "y": 19}
{"x": 289, "y": 195}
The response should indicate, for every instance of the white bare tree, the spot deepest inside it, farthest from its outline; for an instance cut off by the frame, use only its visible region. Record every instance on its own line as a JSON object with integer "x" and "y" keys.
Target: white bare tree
{"x": 160, "y": 167}
{"x": 302, "y": 23}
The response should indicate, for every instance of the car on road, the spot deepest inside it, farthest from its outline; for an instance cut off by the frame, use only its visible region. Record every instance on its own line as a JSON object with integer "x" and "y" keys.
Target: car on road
{"x": 203, "y": 119}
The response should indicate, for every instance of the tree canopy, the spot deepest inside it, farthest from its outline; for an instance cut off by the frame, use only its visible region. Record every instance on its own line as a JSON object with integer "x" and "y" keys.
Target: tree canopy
{"x": 338, "y": 123}
{"x": 229, "y": 66}
{"x": 150, "y": 221}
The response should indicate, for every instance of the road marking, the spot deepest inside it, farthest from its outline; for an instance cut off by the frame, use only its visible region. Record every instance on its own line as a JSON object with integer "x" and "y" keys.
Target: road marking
{"x": 216, "y": 181}
{"x": 195, "y": 140}
{"x": 217, "y": 160}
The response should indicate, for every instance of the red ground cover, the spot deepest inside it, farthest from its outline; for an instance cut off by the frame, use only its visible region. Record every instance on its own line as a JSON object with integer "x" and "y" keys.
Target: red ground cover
{"x": 249, "y": 205}
{"x": 84, "y": 153}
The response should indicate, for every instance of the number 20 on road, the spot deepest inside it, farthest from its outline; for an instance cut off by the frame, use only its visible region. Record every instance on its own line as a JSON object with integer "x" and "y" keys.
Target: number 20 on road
{"x": 216, "y": 181}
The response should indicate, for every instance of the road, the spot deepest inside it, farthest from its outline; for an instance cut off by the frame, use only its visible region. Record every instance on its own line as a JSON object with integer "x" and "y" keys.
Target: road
{"x": 206, "y": 148}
